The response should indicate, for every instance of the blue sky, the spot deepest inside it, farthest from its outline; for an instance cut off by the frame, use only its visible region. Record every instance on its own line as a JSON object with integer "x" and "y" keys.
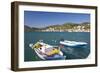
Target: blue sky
{"x": 42, "y": 19}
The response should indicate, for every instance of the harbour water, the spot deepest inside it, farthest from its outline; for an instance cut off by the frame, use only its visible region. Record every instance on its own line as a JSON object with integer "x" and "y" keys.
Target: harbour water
{"x": 53, "y": 38}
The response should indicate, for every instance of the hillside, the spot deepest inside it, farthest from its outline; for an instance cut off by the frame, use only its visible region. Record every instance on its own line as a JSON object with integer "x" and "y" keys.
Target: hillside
{"x": 29, "y": 29}
{"x": 66, "y": 27}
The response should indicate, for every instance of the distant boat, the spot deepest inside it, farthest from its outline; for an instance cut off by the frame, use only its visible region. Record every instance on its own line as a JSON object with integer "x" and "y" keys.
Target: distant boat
{"x": 46, "y": 51}
{"x": 72, "y": 43}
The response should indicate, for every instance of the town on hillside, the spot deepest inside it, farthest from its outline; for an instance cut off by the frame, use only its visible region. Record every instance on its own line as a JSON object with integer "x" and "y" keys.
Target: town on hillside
{"x": 66, "y": 27}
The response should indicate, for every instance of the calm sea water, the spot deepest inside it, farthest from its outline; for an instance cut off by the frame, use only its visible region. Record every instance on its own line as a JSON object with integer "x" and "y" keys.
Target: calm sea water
{"x": 53, "y": 38}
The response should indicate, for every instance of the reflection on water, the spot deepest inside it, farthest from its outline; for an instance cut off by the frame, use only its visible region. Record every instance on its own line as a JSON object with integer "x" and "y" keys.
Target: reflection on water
{"x": 75, "y": 53}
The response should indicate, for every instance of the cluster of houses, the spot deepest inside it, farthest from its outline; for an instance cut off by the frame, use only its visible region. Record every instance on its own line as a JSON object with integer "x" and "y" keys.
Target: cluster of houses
{"x": 74, "y": 29}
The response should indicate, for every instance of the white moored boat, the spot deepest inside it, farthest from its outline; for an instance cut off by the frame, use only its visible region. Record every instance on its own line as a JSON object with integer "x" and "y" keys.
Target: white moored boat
{"x": 72, "y": 43}
{"x": 47, "y": 52}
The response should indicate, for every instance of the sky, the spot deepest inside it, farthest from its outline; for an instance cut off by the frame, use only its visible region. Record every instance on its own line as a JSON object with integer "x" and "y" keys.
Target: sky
{"x": 40, "y": 19}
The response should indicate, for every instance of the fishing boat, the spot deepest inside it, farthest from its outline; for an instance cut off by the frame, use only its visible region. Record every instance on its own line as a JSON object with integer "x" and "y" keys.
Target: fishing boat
{"x": 46, "y": 51}
{"x": 73, "y": 43}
